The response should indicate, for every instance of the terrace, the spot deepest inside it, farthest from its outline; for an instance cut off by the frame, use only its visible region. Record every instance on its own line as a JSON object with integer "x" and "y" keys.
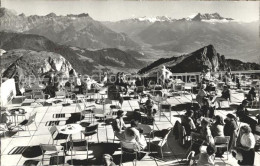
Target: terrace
{"x": 23, "y": 147}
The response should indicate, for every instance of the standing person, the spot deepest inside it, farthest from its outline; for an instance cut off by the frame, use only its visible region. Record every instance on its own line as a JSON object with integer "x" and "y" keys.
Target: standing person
{"x": 119, "y": 125}
{"x": 78, "y": 84}
{"x": 230, "y": 129}
{"x": 245, "y": 145}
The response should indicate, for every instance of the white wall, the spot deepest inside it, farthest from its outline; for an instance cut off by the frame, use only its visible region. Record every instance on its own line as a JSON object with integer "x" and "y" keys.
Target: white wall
{"x": 7, "y": 91}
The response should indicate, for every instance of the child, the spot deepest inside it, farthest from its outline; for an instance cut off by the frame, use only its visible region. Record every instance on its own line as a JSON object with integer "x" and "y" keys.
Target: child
{"x": 206, "y": 156}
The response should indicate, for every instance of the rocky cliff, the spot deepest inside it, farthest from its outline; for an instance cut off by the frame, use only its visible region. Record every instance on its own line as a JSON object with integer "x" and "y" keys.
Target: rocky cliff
{"x": 206, "y": 57}
{"x": 25, "y": 63}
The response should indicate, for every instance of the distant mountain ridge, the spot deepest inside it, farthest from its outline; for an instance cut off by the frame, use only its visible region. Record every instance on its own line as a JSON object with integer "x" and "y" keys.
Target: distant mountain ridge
{"x": 238, "y": 40}
{"x": 75, "y": 30}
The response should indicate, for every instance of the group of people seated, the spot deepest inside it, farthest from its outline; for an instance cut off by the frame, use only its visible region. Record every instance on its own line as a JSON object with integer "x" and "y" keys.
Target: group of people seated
{"x": 202, "y": 125}
{"x": 130, "y": 134}
{"x": 203, "y": 133}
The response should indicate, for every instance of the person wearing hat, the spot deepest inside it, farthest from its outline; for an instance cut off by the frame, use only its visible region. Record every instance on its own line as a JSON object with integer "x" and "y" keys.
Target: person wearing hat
{"x": 231, "y": 128}
{"x": 118, "y": 125}
{"x": 243, "y": 115}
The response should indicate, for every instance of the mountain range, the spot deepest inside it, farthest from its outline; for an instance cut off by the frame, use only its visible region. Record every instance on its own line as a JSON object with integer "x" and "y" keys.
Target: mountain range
{"x": 235, "y": 39}
{"x": 74, "y": 30}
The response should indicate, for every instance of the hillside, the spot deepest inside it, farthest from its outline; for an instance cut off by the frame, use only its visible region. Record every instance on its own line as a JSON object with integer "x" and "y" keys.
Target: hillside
{"x": 206, "y": 57}
{"x": 83, "y": 60}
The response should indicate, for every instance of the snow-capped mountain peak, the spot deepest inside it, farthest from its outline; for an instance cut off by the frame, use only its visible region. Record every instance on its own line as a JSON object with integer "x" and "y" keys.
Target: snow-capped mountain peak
{"x": 213, "y": 17}
{"x": 153, "y": 19}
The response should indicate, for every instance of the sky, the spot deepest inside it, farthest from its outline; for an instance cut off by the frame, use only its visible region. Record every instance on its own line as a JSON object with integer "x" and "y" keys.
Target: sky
{"x": 114, "y": 10}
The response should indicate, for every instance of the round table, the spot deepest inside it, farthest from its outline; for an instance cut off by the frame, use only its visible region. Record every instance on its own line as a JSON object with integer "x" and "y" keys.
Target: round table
{"x": 70, "y": 129}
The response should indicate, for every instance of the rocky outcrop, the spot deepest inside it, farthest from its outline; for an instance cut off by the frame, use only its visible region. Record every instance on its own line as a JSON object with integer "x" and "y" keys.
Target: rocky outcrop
{"x": 206, "y": 57}
{"x": 25, "y": 63}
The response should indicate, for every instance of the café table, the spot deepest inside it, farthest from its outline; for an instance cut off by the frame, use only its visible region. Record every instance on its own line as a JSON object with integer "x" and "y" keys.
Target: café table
{"x": 69, "y": 130}
{"x": 15, "y": 113}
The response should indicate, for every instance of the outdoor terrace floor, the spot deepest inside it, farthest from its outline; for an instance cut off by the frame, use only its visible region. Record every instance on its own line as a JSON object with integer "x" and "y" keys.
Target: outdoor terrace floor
{"x": 173, "y": 155}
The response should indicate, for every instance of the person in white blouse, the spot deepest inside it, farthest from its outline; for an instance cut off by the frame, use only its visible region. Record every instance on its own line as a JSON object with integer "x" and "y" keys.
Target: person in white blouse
{"x": 119, "y": 125}
{"x": 246, "y": 145}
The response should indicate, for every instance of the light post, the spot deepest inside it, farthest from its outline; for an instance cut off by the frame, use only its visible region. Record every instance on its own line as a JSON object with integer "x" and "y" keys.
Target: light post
{"x": 1, "y": 54}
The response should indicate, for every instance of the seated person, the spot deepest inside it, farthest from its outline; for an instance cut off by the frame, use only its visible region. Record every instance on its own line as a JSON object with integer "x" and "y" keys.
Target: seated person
{"x": 207, "y": 110}
{"x": 226, "y": 96}
{"x": 149, "y": 108}
{"x": 217, "y": 128}
{"x": 118, "y": 125}
{"x": 188, "y": 122}
{"x": 204, "y": 137}
{"x": 201, "y": 94}
{"x": 230, "y": 129}
{"x": 251, "y": 94}
{"x": 206, "y": 156}
{"x": 133, "y": 134}
{"x": 243, "y": 115}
